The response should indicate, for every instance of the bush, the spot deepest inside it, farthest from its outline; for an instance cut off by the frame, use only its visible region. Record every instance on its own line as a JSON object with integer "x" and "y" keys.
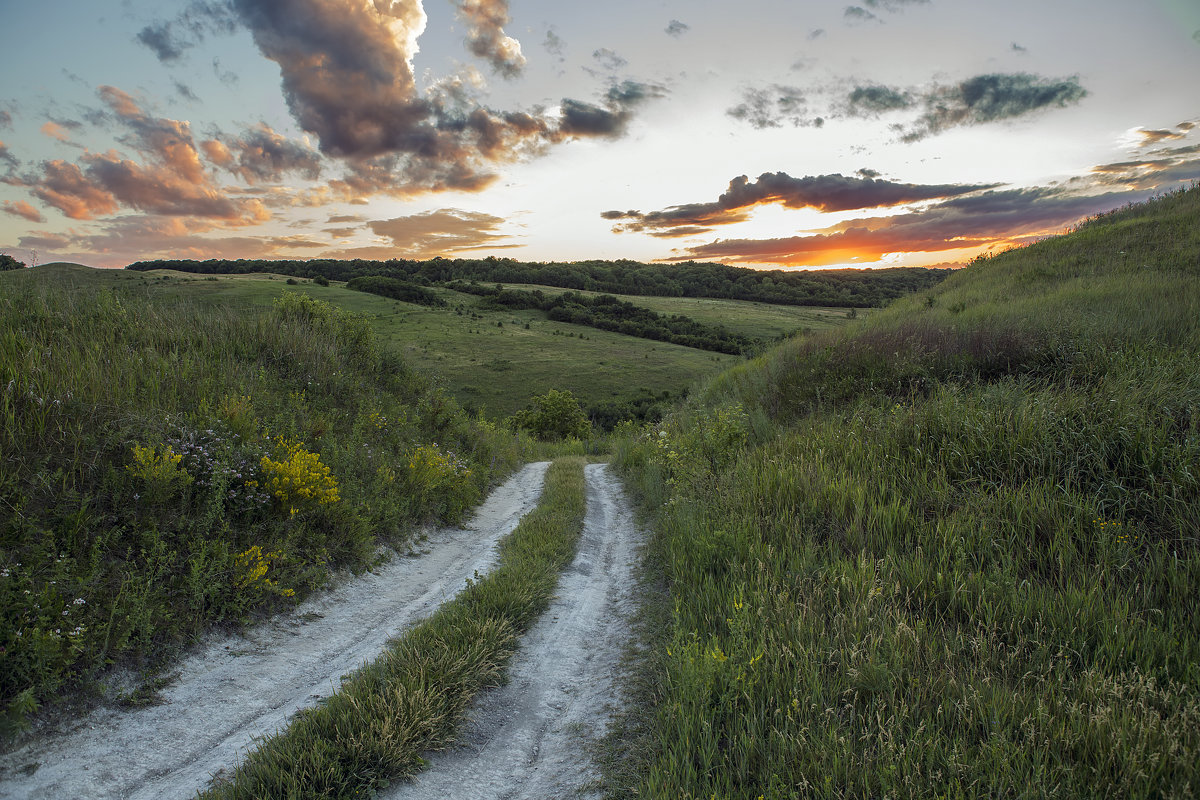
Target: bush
{"x": 552, "y": 416}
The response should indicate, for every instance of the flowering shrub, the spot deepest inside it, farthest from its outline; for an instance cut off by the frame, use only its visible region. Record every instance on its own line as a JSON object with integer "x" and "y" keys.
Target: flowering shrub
{"x": 160, "y": 470}
{"x": 223, "y": 463}
{"x": 436, "y": 475}
{"x": 299, "y": 479}
{"x": 251, "y": 568}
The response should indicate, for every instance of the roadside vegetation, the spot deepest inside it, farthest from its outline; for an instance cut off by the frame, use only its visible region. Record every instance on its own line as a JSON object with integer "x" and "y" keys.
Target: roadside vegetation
{"x": 169, "y": 466}
{"x": 374, "y": 729}
{"x": 952, "y": 550}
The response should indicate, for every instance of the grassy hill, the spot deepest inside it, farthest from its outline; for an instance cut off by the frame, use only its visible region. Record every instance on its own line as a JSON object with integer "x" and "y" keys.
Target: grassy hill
{"x": 490, "y": 361}
{"x": 169, "y": 465}
{"x": 952, "y": 550}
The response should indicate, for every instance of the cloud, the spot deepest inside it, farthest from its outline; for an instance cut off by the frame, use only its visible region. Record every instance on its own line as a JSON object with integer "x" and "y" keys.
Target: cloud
{"x": 55, "y": 131}
{"x": 676, "y": 28}
{"x": 486, "y": 38}
{"x": 227, "y": 77}
{"x": 1019, "y": 49}
{"x": 772, "y": 107}
{"x": 823, "y": 192}
{"x": 1153, "y": 137}
{"x": 609, "y": 59}
{"x": 347, "y": 74}
{"x": 974, "y": 101}
{"x": 22, "y": 209}
{"x": 172, "y": 180}
{"x": 260, "y": 155}
{"x": 186, "y": 92}
{"x": 161, "y": 39}
{"x": 989, "y": 98}
{"x": 5, "y": 119}
{"x": 335, "y": 218}
{"x": 439, "y": 232}
{"x": 554, "y": 44}
{"x": 875, "y": 99}
{"x": 985, "y": 219}
{"x": 170, "y": 39}
{"x": 858, "y": 14}
{"x": 7, "y": 157}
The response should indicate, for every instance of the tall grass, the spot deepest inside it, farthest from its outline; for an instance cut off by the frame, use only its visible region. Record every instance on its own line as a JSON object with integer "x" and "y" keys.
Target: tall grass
{"x": 953, "y": 550}
{"x": 168, "y": 467}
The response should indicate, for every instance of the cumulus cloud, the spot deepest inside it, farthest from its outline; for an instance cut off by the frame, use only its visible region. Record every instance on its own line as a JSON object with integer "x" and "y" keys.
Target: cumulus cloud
{"x": 990, "y": 218}
{"x": 676, "y": 28}
{"x": 974, "y": 101}
{"x": 22, "y": 209}
{"x": 822, "y": 192}
{"x": 171, "y": 179}
{"x": 261, "y": 155}
{"x": 435, "y": 233}
{"x": 486, "y": 38}
{"x": 348, "y": 78}
{"x": 772, "y": 107}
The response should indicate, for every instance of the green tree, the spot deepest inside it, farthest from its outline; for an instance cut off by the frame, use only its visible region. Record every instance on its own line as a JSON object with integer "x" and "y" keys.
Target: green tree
{"x": 554, "y": 415}
{"x": 7, "y": 262}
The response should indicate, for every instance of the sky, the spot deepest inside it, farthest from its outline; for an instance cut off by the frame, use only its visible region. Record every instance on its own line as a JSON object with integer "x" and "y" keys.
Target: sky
{"x": 762, "y": 133}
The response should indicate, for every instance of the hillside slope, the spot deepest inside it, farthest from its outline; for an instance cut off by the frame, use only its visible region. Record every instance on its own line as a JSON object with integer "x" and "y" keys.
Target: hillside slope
{"x": 951, "y": 550}
{"x": 168, "y": 466}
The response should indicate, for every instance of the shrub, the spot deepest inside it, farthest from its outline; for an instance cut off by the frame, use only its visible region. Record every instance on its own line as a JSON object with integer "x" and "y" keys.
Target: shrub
{"x": 553, "y": 416}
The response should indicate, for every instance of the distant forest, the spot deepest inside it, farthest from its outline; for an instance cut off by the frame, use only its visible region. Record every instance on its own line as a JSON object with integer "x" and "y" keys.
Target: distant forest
{"x": 845, "y": 288}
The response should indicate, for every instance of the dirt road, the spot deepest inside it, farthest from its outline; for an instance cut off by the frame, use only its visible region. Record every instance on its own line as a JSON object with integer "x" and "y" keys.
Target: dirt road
{"x": 238, "y": 688}
{"x": 528, "y": 739}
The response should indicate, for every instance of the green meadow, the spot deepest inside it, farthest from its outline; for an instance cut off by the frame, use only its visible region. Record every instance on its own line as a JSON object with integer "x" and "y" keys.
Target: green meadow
{"x": 494, "y": 361}
{"x": 951, "y": 550}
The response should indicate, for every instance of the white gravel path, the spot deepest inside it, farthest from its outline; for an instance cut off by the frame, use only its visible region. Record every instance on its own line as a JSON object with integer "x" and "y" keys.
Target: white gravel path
{"x": 528, "y": 739}
{"x": 243, "y": 687}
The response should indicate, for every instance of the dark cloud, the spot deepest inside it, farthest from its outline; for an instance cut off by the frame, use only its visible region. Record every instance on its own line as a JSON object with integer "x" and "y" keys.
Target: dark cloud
{"x": 435, "y": 233}
{"x": 816, "y": 33}
{"x": 186, "y": 92}
{"x": 22, "y": 209}
{"x": 866, "y": 173}
{"x": 627, "y": 94}
{"x": 1019, "y": 49}
{"x": 989, "y": 98}
{"x": 858, "y": 14}
{"x": 5, "y": 119}
{"x": 348, "y": 79}
{"x": 866, "y": 100}
{"x": 771, "y": 107}
{"x": 159, "y": 37}
{"x": 977, "y": 100}
{"x": 170, "y": 39}
{"x": 993, "y": 218}
{"x": 486, "y": 38}
{"x": 676, "y": 28}
{"x": 822, "y": 192}
{"x": 609, "y": 59}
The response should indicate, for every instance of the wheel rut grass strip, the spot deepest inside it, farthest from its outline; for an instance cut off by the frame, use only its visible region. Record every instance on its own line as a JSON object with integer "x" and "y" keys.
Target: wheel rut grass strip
{"x": 410, "y": 699}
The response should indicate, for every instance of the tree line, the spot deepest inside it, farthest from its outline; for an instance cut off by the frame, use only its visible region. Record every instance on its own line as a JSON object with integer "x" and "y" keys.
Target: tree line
{"x": 845, "y": 288}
